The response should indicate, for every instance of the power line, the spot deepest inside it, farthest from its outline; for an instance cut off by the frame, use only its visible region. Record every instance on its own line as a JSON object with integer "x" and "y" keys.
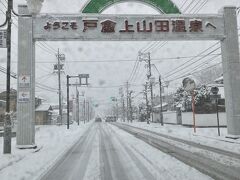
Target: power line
{"x": 183, "y": 76}
{"x": 195, "y": 6}
{"x": 155, "y": 45}
{"x": 39, "y": 61}
{"x": 199, "y": 66}
{"x": 182, "y": 65}
{"x": 193, "y": 71}
{"x": 201, "y": 6}
{"x": 189, "y": 5}
{"x": 188, "y": 65}
{"x": 134, "y": 69}
{"x": 183, "y": 4}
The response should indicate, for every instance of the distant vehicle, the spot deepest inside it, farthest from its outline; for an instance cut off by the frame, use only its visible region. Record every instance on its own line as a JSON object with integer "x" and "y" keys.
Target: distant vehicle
{"x": 98, "y": 119}
{"x": 111, "y": 119}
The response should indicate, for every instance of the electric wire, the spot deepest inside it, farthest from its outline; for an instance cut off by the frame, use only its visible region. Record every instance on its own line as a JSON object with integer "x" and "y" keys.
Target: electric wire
{"x": 202, "y": 5}
{"x": 192, "y": 59}
{"x": 156, "y": 44}
{"x": 189, "y": 5}
{"x": 183, "y": 68}
{"x": 193, "y": 70}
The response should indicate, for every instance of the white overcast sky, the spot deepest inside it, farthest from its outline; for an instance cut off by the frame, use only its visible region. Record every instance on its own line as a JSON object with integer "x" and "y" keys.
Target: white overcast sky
{"x": 106, "y": 74}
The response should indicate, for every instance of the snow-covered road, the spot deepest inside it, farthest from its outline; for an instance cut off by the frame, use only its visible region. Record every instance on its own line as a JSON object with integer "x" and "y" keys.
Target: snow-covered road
{"x": 105, "y": 152}
{"x": 30, "y": 164}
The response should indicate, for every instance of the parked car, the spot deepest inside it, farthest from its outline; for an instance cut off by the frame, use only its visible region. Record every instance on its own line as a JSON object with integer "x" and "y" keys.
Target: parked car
{"x": 98, "y": 119}
{"x": 111, "y": 119}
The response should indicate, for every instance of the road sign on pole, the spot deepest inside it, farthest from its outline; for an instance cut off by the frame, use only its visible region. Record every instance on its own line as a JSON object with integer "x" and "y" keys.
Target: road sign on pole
{"x": 3, "y": 38}
{"x": 24, "y": 96}
{"x": 24, "y": 81}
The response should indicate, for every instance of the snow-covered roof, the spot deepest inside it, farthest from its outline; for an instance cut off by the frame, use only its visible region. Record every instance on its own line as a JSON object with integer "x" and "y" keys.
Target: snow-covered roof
{"x": 44, "y": 107}
{"x": 163, "y": 104}
{"x": 39, "y": 97}
{"x": 219, "y": 80}
{"x": 215, "y": 85}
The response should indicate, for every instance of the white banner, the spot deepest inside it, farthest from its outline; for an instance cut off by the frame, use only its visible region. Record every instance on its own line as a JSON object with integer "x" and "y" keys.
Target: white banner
{"x": 128, "y": 27}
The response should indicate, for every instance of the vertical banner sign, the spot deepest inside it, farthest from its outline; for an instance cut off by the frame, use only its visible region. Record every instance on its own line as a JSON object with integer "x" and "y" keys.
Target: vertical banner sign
{"x": 3, "y": 38}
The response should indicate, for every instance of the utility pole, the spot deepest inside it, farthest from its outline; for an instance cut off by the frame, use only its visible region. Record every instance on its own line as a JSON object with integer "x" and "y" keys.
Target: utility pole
{"x": 68, "y": 101}
{"x": 87, "y": 110}
{"x": 151, "y": 88}
{"x": 147, "y": 106}
{"x": 77, "y": 105}
{"x": 127, "y": 101}
{"x": 117, "y": 109}
{"x": 123, "y": 104}
{"x": 130, "y": 106}
{"x": 147, "y": 58}
{"x": 7, "y": 137}
{"x": 59, "y": 86}
{"x": 123, "y": 109}
{"x": 84, "y": 110}
{"x": 161, "y": 110}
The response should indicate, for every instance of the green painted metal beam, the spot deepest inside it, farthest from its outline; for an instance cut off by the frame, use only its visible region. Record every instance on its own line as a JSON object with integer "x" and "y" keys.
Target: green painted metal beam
{"x": 165, "y": 6}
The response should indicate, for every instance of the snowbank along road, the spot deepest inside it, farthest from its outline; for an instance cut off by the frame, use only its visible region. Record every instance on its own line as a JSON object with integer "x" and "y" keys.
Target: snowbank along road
{"x": 217, "y": 163}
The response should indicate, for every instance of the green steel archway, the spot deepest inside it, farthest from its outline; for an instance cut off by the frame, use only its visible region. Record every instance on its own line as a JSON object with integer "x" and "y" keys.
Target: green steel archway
{"x": 165, "y": 6}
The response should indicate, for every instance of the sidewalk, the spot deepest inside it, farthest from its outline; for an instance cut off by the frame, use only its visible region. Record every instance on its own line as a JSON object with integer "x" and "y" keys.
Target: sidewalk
{"x": 52, "y": 141}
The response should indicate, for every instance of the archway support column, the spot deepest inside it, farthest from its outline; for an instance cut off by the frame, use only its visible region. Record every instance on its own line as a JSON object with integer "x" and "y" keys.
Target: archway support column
{"x": 26, "y": 82}
{"x": 231, "y": 71}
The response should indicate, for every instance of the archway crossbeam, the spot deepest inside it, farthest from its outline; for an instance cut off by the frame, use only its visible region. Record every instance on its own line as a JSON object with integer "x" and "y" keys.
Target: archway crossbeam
{"x": 164, "y": 6}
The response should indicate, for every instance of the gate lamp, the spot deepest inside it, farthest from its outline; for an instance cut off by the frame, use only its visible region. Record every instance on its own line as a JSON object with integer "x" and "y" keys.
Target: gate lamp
{"x": 34, "y": 6}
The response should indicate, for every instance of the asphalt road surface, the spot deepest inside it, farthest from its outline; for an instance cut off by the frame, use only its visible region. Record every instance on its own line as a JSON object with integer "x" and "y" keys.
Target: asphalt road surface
{"x": 103, "y": 153}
